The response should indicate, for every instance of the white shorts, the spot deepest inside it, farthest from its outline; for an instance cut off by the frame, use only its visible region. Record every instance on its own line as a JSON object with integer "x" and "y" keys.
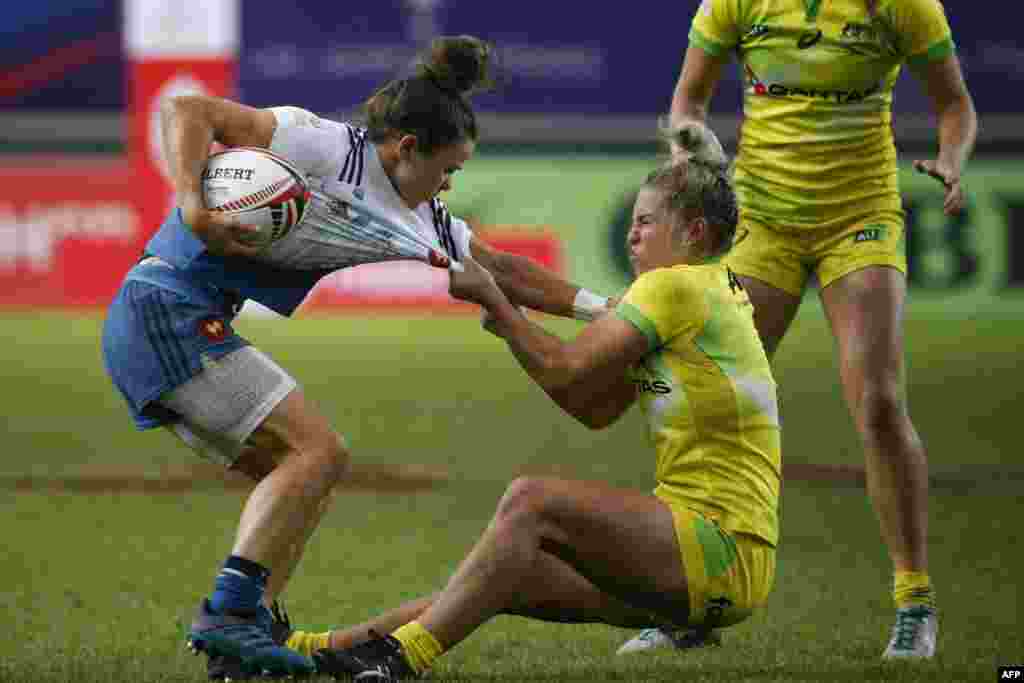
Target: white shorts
{"x": 225, "y": 403}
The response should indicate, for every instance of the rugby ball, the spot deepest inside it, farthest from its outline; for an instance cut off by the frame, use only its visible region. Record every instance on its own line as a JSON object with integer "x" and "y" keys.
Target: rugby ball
{"x": 261, "y": 188}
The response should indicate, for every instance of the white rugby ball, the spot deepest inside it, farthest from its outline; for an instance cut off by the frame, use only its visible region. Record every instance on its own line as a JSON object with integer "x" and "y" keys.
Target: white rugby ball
{"x": 259, "y": 187}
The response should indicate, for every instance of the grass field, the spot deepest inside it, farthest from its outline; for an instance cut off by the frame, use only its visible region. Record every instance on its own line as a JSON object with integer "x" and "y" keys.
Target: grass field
{"x": 97, "y": 586}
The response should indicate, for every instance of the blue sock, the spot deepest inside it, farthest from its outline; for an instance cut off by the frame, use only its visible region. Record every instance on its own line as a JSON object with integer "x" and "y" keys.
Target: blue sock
{"x": 239, "y": 587}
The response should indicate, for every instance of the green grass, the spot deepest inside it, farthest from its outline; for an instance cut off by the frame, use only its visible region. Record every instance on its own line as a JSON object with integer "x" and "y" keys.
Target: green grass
{"x": 97, "y": 588}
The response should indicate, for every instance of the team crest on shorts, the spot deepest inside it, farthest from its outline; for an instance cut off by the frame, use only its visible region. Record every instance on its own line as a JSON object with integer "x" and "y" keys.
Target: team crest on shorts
{"x": 213, "y": 329}
{"x": 870, "y": 233}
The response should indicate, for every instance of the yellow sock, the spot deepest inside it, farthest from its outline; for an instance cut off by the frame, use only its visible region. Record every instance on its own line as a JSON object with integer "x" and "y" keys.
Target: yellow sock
{"x": 307, "y": 643}
{"x": 418, "y": 645}
{"x": 913, "y": 588}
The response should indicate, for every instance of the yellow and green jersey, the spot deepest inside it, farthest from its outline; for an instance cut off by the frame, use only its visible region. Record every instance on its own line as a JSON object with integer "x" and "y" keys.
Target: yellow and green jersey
{"x": 708, "y": 393}
{"x": 816, "y": 141}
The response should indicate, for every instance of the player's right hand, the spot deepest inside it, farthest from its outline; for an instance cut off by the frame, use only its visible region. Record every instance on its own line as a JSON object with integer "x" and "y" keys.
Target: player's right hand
{"x": 222, "y": 233}
{"x": 475, "y": 283}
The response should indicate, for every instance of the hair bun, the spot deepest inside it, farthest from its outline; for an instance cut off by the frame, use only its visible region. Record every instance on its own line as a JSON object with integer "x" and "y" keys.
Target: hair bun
{"x": 458, "y": 64}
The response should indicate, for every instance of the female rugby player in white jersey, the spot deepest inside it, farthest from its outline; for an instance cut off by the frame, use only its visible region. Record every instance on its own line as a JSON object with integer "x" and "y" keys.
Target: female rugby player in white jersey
{"x": 170, "y": 348}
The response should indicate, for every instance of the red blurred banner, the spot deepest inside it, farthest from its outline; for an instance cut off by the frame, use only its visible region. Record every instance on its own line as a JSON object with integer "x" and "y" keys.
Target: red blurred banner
{"x": 68, "y": 232}
{"x": 70, "y": 229}
{"x": 152, "y": 83}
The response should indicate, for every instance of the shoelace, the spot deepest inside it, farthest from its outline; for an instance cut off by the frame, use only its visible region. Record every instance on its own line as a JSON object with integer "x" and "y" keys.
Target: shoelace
{"x": 650, "y": 634}
{"x": 907, "y": 624}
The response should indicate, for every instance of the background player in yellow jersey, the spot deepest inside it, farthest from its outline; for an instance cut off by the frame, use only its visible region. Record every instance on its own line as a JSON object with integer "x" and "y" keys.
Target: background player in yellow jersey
{"x": 701, "y": 549}
{"x": 816, "y": 178}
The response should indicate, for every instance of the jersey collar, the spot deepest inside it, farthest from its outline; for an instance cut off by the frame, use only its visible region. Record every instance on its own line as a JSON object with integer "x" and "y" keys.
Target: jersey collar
{"x": 381, "y": 182}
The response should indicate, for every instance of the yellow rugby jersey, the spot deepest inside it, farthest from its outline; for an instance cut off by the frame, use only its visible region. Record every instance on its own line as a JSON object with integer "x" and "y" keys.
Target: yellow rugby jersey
{"x": 709, "y": 396}
{"x": 816, "y": 140}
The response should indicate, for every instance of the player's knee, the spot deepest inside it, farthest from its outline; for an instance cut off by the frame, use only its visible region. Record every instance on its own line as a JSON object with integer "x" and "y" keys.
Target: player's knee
{"x": 336, "y": 455}
{"x": 325, "y": 457}
{"x": 523, "y": 502}
{"x": 883, "y": 409}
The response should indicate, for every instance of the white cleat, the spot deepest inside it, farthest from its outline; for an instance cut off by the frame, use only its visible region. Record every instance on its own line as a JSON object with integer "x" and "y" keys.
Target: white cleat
{"x": 914, "y": 634}
{"x": 656, "y": 638}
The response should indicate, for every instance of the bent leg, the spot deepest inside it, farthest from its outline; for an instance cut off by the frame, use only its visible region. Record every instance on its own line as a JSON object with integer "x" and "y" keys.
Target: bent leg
{"x": 245, "y": 411}
{"x": 285, "y": 507}
{"x": 542, "y": 520}
{"x": 558, "y": 593}
{"x": 865, "y": 310}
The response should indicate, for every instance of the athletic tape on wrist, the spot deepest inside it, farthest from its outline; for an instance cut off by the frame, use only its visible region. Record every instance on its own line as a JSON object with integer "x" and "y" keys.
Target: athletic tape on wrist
{"x": 588, "y": 306}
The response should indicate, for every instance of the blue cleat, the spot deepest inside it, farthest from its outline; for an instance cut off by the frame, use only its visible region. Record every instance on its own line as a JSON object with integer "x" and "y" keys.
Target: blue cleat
{"x": 240, "y": 647}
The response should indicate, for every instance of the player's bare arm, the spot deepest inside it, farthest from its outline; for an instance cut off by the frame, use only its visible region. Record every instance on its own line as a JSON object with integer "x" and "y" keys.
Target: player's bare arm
{"x": 527, "y": 283}
{"x": 190, "y": 124}
{"x": 697, "y": 81}
{"x": 958, "y": 127}
{"x": 573, "y": 373}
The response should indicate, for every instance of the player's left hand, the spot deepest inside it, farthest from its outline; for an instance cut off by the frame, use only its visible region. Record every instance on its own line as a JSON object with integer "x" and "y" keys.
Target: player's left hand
{"x": 950, "y": 178}
{"x": 475, "y": 283}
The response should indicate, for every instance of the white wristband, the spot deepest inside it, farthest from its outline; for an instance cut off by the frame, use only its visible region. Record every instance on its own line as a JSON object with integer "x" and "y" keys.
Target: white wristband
{"x": 588, "y": 306}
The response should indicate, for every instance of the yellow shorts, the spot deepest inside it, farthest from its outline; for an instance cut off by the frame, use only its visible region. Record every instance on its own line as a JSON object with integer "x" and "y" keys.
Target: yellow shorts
{"x": 785, "y": 257}
{"x": 728, "y": 575}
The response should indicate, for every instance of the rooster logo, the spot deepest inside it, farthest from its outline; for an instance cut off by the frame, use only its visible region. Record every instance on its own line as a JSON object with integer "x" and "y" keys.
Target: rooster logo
{"x": 213, "y": 329}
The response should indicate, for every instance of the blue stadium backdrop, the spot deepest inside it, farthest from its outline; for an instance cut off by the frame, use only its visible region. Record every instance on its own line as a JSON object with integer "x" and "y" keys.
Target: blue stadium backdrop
{"x": 60, "y": 55}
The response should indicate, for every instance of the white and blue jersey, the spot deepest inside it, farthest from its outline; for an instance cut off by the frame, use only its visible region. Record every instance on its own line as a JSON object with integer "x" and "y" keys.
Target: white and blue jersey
{"x": 175, "y": 308}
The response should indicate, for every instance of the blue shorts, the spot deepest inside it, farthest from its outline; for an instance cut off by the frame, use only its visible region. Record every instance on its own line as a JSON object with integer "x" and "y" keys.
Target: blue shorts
{"x": 159, "y": 329}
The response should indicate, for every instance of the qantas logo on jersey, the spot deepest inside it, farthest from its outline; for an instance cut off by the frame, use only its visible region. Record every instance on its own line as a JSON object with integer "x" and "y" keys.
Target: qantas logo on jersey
{"x": 659, "y": 385}
{"x": 759, "y": 87}
{"x": 645, "y": 386}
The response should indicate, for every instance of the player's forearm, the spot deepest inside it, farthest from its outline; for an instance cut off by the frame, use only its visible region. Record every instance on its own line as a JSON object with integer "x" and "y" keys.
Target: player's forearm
{"x": 596, "y": 404}
{"x": 526, "y": 283}
{"x": 686, "y": 107}
{"x": 958, "y": 131}
{"x": 540, "y": 353}
{"x": 187, "y": 135}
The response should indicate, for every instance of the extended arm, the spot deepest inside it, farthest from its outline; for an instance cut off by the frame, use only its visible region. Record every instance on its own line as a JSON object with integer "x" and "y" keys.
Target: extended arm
{"x": 527, "y": 283}
{"x": 957, "y": 123}
{"x": 697, "y": 80}
{"x": 587, "y": 376}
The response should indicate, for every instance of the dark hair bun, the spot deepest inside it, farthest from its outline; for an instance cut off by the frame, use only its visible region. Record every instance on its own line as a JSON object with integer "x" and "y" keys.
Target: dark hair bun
{"x": 458, "y": 64}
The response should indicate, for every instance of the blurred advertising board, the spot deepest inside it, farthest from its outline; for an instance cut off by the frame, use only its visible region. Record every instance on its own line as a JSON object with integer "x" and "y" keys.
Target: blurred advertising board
{"x": 69, "y": 230}
{"x": 554, "y": 58}
{"x": 62, "y": 55}
{"x": 977, "y": 257}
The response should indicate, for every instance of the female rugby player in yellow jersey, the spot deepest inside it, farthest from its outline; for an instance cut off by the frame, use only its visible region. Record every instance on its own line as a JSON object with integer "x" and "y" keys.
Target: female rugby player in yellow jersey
{"x": 701, "y": 548}
{"x": 816, "y": 178}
